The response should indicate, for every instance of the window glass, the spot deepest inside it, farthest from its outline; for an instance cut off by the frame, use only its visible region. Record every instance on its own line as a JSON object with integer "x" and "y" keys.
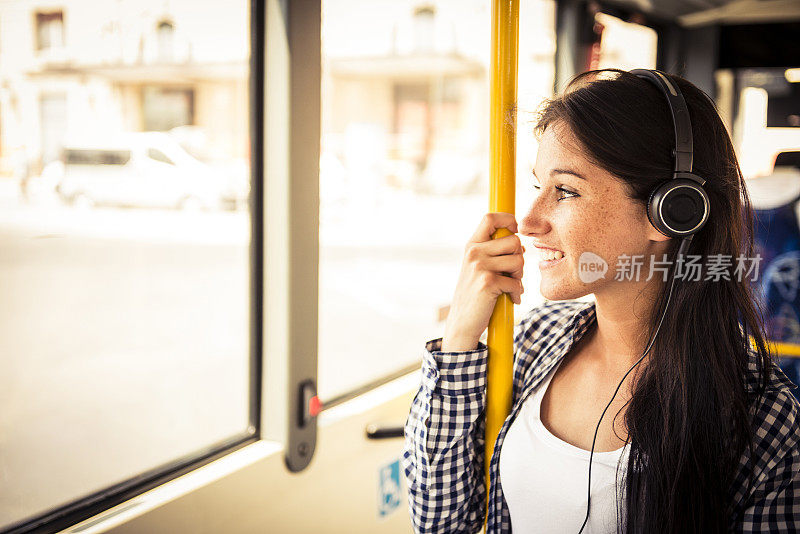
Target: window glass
{"x": 404, "y": 170}
{"x": 124, "y": 328}
{"x": 49, "y": 30}
{"x": 767, "y": 117}
{"x": 623, "y": 44}
{"x": 165, "y": 108}
{"x": 53, "y": 118}
{"x": 166, "y": 44}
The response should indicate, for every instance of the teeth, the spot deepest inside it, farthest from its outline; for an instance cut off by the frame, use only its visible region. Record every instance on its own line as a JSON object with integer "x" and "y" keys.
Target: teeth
{"x": 550, "y": 254}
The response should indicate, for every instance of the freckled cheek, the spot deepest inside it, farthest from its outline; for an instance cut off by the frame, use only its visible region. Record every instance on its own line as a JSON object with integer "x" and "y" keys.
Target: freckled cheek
{"x": 599, "y": 234}
{"x": 579, "y": 235}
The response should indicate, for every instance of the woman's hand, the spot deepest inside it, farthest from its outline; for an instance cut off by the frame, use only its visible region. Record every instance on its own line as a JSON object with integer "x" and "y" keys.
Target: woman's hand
{"x": 490, "y": 267}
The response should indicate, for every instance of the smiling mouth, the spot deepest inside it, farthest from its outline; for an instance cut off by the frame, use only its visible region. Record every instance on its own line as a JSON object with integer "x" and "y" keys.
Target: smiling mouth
{"x": 550, "y": 255}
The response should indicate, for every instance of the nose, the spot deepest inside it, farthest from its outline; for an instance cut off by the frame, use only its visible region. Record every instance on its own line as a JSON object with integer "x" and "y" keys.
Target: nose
{"x": 536, "y": 220}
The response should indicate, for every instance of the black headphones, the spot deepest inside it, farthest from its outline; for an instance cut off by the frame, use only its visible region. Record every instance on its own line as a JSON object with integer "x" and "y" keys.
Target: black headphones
{"x": 678, "y": 207}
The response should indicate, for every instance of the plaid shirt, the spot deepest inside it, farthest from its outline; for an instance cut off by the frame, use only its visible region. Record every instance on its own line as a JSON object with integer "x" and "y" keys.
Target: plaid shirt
{"x": 443, "y": 455}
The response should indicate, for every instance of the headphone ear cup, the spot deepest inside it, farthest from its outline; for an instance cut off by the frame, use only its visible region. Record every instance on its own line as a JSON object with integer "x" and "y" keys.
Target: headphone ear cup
{"x": 678, "y": 207}
{"x": 652, "y": 212}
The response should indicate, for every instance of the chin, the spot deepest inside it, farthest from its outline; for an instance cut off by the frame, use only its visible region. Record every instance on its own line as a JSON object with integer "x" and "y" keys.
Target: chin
{"x": 557, "y": 291}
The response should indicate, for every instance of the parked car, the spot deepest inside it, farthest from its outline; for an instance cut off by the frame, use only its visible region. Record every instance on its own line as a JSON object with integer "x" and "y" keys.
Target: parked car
{"x": 234, "y": 171}
{"x": 144, "y": 169}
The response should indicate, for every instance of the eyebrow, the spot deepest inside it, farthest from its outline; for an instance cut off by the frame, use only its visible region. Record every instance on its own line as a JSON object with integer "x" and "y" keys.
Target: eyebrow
{"x": 563, "y": 171}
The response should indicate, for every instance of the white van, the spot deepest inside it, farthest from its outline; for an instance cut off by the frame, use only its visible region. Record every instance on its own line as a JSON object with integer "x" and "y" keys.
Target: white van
{"x": 145, "y": 169}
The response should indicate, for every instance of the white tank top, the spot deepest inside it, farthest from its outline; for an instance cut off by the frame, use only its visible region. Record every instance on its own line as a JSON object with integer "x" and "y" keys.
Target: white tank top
{"x": 545, "y": 479}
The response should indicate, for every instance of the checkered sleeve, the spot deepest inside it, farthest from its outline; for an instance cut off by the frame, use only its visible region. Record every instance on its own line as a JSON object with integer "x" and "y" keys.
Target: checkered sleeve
{"x": 443, "y": 456}
{"x": 774, "y": 502}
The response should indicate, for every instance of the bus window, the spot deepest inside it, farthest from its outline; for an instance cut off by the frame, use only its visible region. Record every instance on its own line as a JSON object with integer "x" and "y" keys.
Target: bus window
{"x": 404, "y": 171}
{"x": 125, "y": 328}
{"x": 624, "y": 45}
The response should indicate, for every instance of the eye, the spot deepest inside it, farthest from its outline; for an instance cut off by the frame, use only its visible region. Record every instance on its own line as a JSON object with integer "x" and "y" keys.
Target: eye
{"x": 571, "y": 193}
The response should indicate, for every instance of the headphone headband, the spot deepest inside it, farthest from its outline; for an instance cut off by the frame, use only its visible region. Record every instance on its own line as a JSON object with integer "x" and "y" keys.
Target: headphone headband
{"x": 683, "y": 151}
{"x": 678, "y": 207}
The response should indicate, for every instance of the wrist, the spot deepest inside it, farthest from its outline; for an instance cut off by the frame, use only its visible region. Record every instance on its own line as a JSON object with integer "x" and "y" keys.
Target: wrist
{"x": 459, "y": 344}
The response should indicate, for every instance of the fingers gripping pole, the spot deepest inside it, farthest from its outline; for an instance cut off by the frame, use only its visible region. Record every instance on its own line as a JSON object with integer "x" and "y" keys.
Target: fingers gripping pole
{"x": 503, "y": 124}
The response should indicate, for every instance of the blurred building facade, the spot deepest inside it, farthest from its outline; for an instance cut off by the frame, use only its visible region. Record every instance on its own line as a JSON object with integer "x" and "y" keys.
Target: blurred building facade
{"x": 411, "y": 101}
{"x": 82, "y": 69}
{"x": 405, "y": 101}
{"x": 406, "y": 104}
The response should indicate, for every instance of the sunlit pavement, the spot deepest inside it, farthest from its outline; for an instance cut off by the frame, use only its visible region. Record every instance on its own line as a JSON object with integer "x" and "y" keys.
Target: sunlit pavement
{"x": 152, "y": 225}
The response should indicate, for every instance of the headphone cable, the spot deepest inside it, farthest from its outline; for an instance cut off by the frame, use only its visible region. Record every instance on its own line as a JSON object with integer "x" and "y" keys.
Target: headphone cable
{"x": 681, "y": 251}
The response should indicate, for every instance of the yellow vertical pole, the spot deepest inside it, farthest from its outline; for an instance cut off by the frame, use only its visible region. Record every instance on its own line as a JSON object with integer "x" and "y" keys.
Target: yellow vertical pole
{"x": 503, "y": 124}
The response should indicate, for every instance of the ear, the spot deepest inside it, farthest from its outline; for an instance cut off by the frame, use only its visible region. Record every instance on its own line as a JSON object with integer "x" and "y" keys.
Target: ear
{"x": 652, "y": 233}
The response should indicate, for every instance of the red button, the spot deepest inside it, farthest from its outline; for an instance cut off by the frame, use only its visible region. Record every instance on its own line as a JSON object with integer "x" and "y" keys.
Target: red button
{"x": 314, "y": 406}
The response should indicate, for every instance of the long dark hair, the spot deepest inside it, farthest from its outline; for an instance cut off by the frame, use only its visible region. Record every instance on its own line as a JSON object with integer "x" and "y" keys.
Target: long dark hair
{"x": 688, "y": 420}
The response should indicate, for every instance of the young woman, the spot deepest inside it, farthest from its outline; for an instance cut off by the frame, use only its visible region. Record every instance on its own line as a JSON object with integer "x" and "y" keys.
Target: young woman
{"x": 702, "y": 436}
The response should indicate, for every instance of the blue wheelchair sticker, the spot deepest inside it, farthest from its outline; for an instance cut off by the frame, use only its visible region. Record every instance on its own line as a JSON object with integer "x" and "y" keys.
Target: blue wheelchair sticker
{"x": 388, "y": 488}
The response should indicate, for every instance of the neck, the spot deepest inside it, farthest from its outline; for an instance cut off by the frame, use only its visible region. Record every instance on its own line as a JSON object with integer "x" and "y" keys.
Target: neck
{"x": 619, "y": 337}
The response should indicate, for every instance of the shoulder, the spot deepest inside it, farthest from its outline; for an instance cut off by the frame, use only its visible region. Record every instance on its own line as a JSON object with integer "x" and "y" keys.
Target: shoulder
{"x": 775, "y": 410}
{"x": 774, "y": 463}
{"x": 552, "y": 315}
{"x": 776, "y": 447}
{"x": 775, "y": 416}
{"x": 544, "y": 330}
{"x": 776, "y": 378}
